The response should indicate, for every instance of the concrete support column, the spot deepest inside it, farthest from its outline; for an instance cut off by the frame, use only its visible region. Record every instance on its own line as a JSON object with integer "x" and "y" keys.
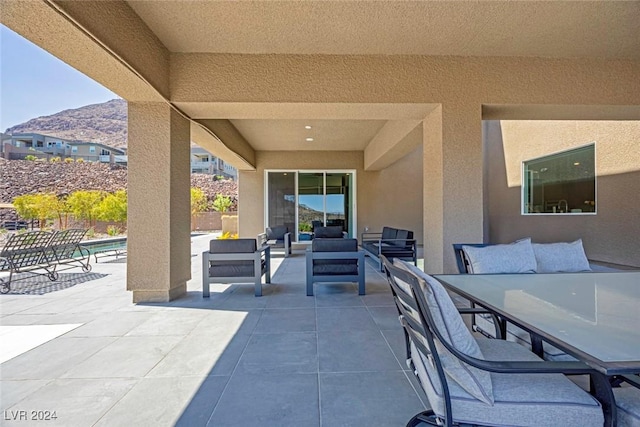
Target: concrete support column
{"x": 453, "y": 183}
{"x": 158, "y": 228}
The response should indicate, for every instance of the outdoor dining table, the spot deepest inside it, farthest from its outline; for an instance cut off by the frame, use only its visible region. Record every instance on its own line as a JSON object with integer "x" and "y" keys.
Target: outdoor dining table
{"x": 592, "y": 316}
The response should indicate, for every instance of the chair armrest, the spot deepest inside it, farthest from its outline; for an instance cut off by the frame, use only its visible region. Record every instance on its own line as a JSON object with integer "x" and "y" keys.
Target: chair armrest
{"x": 262, "y": 239}
{"x": 516, "y": 367}
{"x": 370, "y": 236}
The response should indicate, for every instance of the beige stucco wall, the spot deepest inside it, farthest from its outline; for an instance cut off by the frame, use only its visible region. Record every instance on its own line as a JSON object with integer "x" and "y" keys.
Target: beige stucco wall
{"x": 392, "y": 196}
{"x": 613, "y": 234}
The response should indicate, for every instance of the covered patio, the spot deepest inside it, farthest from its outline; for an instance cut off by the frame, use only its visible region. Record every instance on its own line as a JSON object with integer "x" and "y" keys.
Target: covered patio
{"x": 284, "y": 359}
{"x": 394, "y": 91}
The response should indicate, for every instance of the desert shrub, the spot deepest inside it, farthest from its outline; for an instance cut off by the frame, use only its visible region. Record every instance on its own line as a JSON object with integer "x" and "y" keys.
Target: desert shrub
{"x": 79, "y": 160}
{"x": 68, "y": 160}
{"x": 30, "y": 157}
{"x": 55, "y": 159}
{"x": 112, "y": 230}
{"x": 222, "y": 203}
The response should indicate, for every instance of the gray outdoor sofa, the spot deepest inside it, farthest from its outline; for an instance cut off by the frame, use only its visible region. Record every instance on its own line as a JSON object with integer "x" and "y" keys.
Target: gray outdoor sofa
{"x": 392, "y": 243}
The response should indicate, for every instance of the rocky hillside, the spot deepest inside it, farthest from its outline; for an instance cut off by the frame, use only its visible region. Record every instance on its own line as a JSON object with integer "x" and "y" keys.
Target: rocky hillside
{"x": 19, "y": 177}
{"x": 105, "y": 123}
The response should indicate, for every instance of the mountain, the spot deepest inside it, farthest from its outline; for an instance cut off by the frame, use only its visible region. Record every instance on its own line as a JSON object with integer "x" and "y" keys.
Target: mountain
{"x": 105, "y": 123}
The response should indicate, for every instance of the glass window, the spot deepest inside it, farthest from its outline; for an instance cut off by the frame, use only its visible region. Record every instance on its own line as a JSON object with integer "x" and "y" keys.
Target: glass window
{"x": 92, "y": 149}
{"x": 282, "y": 200}
{"x": 74, "y": 149}
{"x": 560, "y": 183}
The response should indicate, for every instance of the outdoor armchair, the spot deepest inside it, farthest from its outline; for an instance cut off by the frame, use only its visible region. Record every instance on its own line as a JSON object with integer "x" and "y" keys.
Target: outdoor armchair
{"x": 335, "y": 260}
{"x": 235, "y": 261}
{"x": 277, "y": 237}
{"x": 480, "y": 381}
{"x": 329, "y": 232}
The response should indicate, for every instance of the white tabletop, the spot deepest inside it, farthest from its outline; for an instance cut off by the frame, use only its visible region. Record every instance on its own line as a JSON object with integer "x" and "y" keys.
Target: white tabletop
{"x": 594, "y": 316}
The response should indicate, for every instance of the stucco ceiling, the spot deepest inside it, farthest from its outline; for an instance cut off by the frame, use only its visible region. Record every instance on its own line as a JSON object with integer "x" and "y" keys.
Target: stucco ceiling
{"x": 601, "y": 29}
{"x": 332, "y": 135}
{"x": 607, "y": 29}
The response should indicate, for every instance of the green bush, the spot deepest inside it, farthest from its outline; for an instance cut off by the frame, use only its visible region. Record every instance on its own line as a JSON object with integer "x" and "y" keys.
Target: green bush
{"x": 112, "y": 230}
{"x": 30, "y": 157}
{"x": 68, "y": 160}
{"x": 222, "y": 203}
{"x": 79, "y": 160}
{"x": 55, "y": 159}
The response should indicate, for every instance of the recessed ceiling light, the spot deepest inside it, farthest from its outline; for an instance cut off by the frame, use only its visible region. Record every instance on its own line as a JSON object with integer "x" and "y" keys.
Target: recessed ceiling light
{"x": 307, "y": 127}
{"x": 309, "y": 139}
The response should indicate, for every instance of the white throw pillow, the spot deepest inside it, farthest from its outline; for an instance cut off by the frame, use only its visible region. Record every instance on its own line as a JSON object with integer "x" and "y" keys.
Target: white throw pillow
{"x": 516, "y": 257}
{"x": 561, "y": 257}
{"x": 448, "y": 321}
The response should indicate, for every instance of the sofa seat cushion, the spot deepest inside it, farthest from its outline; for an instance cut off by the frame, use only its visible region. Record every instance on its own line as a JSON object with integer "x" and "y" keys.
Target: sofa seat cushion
{"x": 628, "y": 403}
{"x": 389, "y": 250}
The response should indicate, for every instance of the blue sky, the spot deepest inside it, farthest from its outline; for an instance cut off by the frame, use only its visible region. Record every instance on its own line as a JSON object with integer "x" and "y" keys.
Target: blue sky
{"x": 34, "y": 83}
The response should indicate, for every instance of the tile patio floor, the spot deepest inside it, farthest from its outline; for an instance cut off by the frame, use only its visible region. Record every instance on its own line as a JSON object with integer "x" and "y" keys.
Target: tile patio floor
{"x": 285, "y": 359}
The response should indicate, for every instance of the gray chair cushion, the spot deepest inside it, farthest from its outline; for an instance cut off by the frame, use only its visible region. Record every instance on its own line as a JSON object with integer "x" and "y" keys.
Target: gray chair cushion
{"x": 403, "y": 235}
{"x": 328, "y": 232}
{"x": 335, "y": 267}
{"x": 389, "y": 233}
{"x": 519, "y": 399}
{"x": 277, "y": 232}
{"x": 560, "y": 257}
{"x": 221, "y": 246}
{"x": 517, "y": 257}
{"x": 628, "y": 403}
{"x": 231, "y": 268}
{"x": 450, "y": 324}
{"x": 334, "y": 245}
{"x": 338, "y": 267}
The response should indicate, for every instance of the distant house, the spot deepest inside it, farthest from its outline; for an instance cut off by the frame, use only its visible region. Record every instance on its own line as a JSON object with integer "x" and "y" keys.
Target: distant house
{"x": 94, "y": 151}
{"x": 20, "y": 145}
{"x": 204, "y": 162}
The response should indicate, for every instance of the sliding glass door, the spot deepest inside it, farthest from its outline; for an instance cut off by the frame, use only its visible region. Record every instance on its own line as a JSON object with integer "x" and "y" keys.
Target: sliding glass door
{"x": 281, "y": 199}
{"x": 302, "y": 200}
